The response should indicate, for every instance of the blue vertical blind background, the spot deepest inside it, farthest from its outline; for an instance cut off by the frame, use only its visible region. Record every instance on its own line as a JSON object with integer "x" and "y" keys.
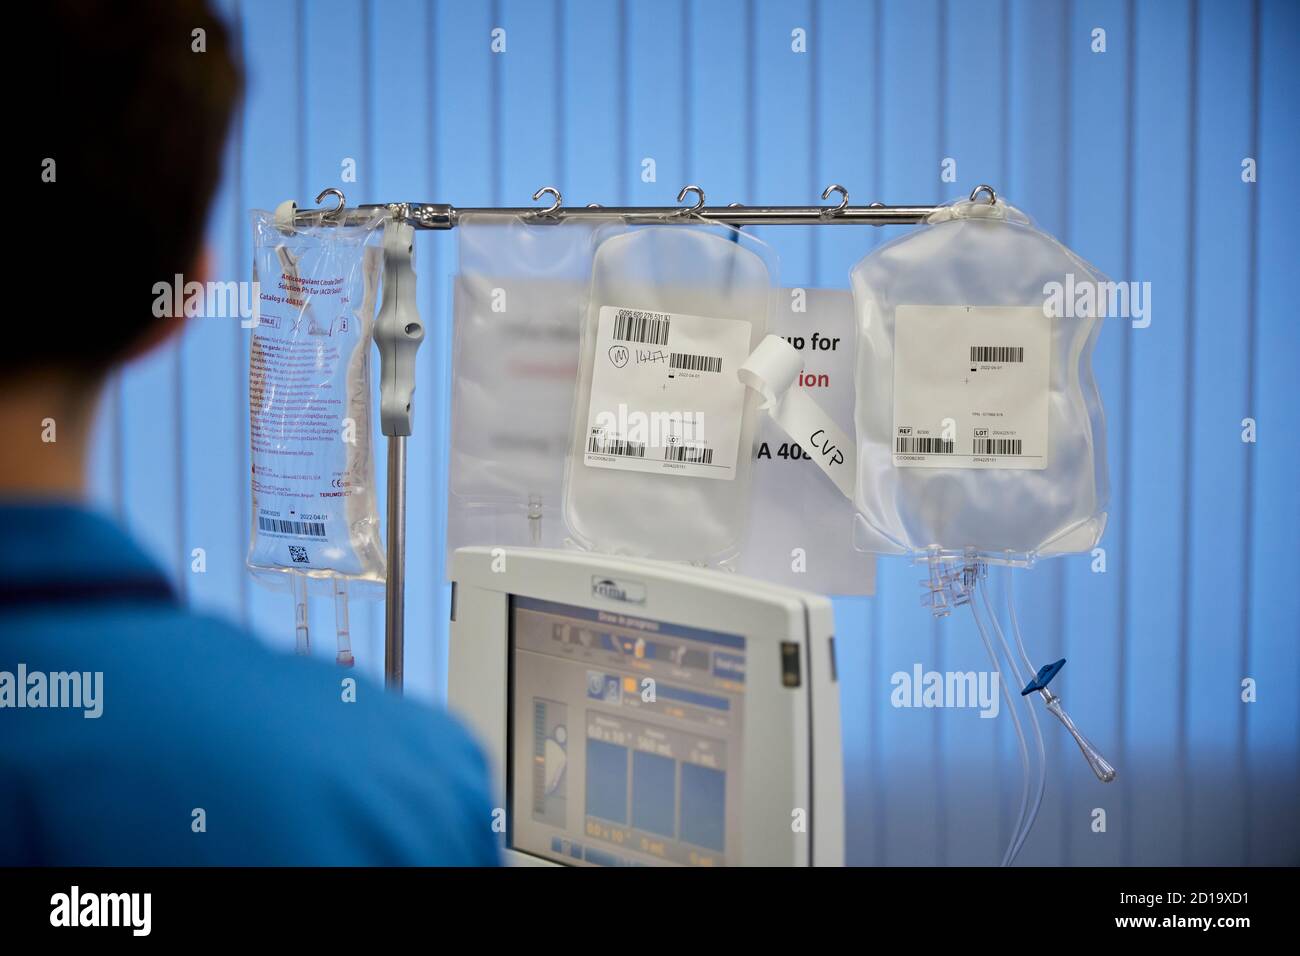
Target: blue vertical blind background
{"x": 1132, "y": 157}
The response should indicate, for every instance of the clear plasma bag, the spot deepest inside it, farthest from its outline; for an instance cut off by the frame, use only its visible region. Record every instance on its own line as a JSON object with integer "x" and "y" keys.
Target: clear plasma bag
{"x": 660, "y": 447}
{"x": 979, "y": 424}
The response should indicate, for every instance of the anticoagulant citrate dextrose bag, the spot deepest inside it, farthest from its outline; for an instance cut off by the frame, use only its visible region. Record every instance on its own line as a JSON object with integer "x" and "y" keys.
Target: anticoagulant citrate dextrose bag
{"x": 313, "y": 489}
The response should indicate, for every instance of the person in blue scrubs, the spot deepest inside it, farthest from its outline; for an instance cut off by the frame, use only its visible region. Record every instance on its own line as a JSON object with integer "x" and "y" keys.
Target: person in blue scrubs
{"x": 183, "y": 739}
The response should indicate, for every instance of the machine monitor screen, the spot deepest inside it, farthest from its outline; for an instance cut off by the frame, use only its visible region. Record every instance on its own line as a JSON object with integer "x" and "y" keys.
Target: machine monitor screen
{"x": 625, "y": 738}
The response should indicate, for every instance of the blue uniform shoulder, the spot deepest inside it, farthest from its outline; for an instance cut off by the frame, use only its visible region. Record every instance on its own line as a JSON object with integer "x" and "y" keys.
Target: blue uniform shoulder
{"x": 212, "y": 748}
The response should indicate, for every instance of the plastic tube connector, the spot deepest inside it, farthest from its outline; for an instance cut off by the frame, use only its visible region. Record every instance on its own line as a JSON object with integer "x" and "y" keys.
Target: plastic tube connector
{"x": 1100, "y": 766}
{"x": 949, "y": 585}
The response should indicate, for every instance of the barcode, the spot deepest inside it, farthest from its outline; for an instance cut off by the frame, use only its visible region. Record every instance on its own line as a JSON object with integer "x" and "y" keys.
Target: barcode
{"x": 649, "y": 327}
{"x": 905, "y": 445}
{"x": 303, "y": 529}
{"x": 997, "y": 446}
{"x": 997, "y": 353}
{"x": 598, "y": 444}
{"x": 694, "y": 363}
{"x": 689, "y": 454}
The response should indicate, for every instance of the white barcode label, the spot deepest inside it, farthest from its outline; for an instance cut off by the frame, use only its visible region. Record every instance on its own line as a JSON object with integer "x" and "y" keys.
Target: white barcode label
{"x": 664, "y": 393}
{"x": 971, "y": 386}
{"x": 301, "y": 529}
{"x": 601, "y": 444}
{"x": 687, "y": 453}
{"x": 913, "y": 445}
{"x": 996, "y": 446}
{"x": 695, "y": 363}
{"x": 997, "y": 354}
{"x": 633, "y": 326}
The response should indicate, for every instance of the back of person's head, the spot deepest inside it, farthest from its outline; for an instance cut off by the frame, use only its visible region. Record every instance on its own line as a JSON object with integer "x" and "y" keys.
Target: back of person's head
{"x": 130, "y": 132}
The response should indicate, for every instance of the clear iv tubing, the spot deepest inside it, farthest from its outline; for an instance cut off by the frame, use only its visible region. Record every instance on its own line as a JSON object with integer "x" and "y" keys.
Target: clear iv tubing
{"x": 301, "y": 636}
{"x": 1033, "y": 715}
{"x": 535, "y": 520}
{"x": 1015, "y": 624}
{"x": 345, "y": 658}
{"x": 1100, "y": 766}
{"x": 1008, "y": 856}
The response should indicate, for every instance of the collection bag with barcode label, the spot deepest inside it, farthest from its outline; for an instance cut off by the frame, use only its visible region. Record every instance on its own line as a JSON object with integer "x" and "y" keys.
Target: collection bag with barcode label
{"x": 660, "y": 446}
{"x": 979, "y": 424}
{"x": 313, "y": 482}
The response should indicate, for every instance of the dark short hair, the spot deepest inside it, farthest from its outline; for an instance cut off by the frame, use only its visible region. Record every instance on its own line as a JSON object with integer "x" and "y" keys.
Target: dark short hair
{"x": 135, "y": 119}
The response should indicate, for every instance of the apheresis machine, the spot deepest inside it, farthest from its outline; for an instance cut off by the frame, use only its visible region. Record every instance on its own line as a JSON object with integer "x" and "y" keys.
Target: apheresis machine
{"x": 651, "y": 441}
{"x": 640, "y": 713}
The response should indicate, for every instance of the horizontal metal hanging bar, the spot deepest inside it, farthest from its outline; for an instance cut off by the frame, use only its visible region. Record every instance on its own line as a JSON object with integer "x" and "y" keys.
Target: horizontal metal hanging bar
{"x": 445, "y": 216}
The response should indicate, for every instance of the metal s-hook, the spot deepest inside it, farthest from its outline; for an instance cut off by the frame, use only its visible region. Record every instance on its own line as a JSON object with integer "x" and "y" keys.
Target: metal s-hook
{"x": 337, "y": 194}
{"x": 844, "y": 200}
{"x": 984, "y": 188}
{"x": 554, "y": 207}
{"x": 699, "y": 204}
